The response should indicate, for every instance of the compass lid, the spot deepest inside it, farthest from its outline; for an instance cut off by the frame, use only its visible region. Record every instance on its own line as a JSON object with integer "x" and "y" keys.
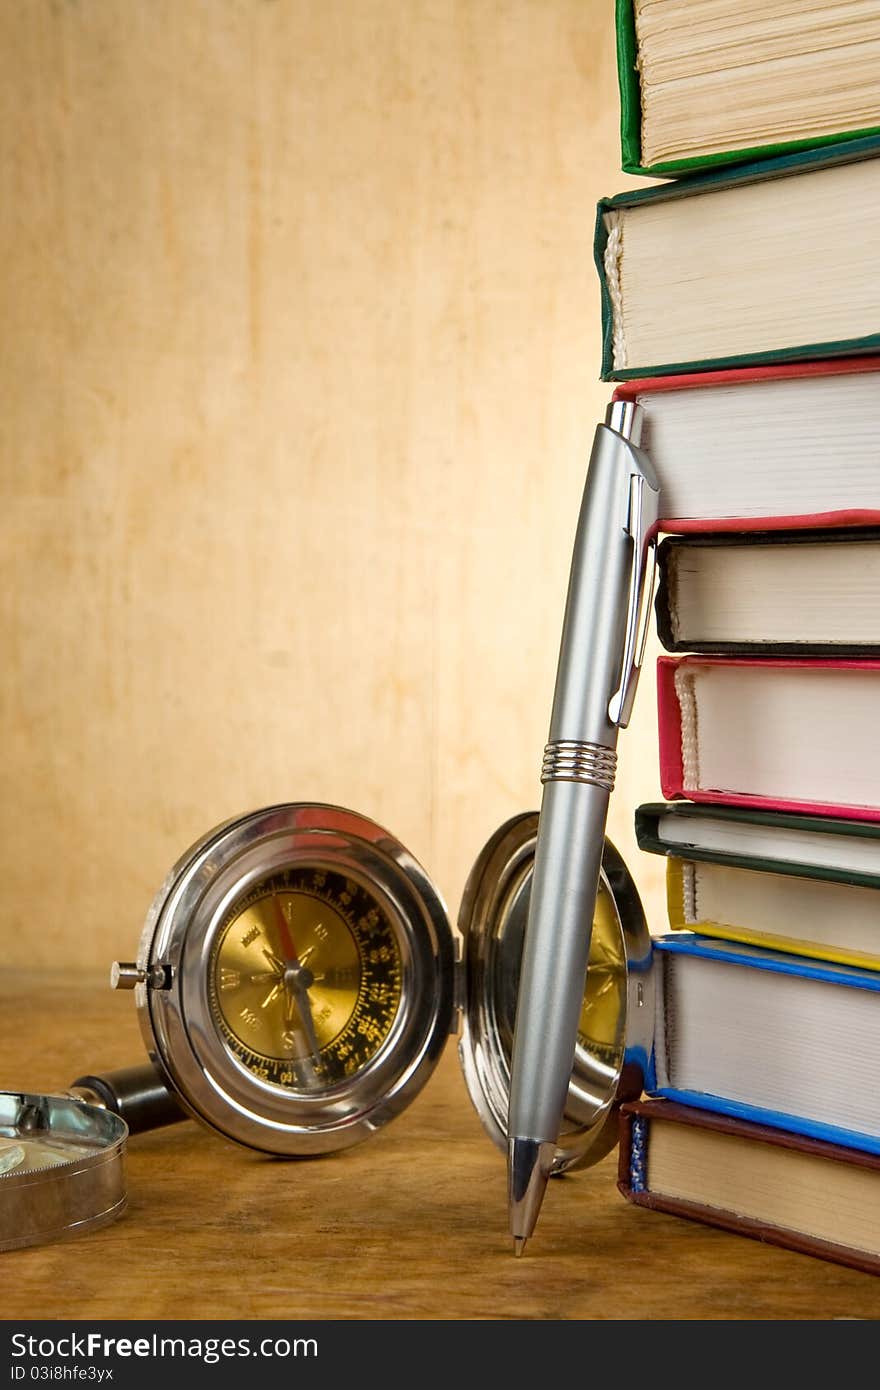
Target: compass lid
{"x": 616, "y": 1023}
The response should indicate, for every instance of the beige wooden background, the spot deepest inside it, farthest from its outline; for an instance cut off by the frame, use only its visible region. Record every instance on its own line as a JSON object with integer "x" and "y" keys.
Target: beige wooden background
{"x": 299, "y": 377}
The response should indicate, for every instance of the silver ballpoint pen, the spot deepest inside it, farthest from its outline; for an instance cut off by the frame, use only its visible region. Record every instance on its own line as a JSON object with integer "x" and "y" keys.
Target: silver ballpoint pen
{"x": 601, "y": 651}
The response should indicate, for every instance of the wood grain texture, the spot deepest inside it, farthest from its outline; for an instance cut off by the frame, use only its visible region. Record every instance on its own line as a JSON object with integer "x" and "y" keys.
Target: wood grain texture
{"x": 301, "y": 348}
{"x": 410, "y": 1224}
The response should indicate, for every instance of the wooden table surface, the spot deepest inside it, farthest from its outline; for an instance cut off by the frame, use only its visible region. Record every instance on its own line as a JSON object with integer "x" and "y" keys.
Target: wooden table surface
{"x": 409, "y": 1225}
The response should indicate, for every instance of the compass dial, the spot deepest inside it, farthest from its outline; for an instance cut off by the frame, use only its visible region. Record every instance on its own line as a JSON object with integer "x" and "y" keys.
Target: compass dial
{"x": 603, "y": 1013}
{"x": 603, "y": 1008}
{"x": 305, "y": 978}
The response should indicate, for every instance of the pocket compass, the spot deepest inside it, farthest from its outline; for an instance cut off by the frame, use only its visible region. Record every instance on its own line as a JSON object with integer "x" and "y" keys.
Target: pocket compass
{"x": 298, "y": 977}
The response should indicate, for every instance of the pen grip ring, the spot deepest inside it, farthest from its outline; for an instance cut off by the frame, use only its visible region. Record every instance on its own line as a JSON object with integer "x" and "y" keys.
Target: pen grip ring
{"x": 569, "y": 760}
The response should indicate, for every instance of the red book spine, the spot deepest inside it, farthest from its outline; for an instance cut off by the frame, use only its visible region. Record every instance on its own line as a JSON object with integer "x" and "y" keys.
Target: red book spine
{"x": 839, "y": 366}
{"x": 669, "y": 720}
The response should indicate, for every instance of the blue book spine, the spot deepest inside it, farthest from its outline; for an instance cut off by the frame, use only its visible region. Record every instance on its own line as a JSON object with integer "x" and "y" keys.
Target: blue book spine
{"x": 775, "y": 1119}
{"x": 775, "y": 962}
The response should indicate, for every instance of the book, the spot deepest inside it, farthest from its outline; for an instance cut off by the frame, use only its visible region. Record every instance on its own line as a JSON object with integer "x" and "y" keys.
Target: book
{"x": 769, "y": 1037}
{"x": 784, "y": 734}
{"x": 736, "y": 79}
{"x": 807, "y": 592}
{"x": 802, "y": 1194}
{"x": 773, "y": 260}
{"x": 787, "y": 446}
{"x": 806, "y": 885}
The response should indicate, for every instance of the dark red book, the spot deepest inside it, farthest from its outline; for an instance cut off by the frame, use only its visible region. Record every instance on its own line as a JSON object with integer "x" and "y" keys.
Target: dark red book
{"x": 782, "y": 1188}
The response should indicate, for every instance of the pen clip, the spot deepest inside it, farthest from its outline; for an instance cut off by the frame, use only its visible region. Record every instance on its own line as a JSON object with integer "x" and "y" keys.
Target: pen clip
{"x": 643, "y": 515}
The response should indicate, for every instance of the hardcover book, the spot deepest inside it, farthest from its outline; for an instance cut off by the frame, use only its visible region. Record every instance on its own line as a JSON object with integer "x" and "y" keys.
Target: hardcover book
{"x": 802, "y": 1194}
{"x": 789, "y": 446}
{"x": 738, "y": 79}
{"x": 806, "y": 885}
{"x": 809, "y": 593}
{"x": 782, "y": 734}
{"x": 768, "y": 1037}
{"x": 774, "y": 260}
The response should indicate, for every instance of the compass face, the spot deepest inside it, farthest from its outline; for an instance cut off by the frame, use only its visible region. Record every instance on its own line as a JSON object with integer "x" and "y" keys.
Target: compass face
{"x": 603, "y": 1010}
{"x": 600, "y": 1028}
{"x": 304, "y": 981}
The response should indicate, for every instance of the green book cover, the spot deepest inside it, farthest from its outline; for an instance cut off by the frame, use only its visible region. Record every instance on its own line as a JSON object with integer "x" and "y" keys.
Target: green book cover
{"x": 630, "y": 91}
{"x": 648, "y": 838}
{"x": 631, "y": 118}
{"x": 715, "y": 180}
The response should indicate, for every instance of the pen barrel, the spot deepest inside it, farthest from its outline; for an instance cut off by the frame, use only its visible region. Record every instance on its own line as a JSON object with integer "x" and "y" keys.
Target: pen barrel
{"x": 565, "y": 881}
{"x": 597, "y": 602}
{"x": 578, "y": 777}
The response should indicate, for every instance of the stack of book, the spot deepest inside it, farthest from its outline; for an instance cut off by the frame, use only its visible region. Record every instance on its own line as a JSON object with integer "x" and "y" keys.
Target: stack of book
{"x": 741, "y": 309}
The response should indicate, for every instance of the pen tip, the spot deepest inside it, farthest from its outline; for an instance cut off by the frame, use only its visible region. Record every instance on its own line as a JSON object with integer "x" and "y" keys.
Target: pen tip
{"x": 519, "y": 1245}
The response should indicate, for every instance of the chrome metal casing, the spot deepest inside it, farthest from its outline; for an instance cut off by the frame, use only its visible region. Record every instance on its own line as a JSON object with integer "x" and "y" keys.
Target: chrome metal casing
{"x": 492, "y": 920}
{"x": 176, "y": 945}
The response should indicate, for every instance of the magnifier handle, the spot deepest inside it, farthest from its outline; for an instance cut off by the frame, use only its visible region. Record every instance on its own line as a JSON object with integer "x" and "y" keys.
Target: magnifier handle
{"x": 138, "y": 1094}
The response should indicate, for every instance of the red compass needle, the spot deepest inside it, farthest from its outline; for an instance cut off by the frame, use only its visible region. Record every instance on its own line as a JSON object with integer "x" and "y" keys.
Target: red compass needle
{"x": 287, "y": 946}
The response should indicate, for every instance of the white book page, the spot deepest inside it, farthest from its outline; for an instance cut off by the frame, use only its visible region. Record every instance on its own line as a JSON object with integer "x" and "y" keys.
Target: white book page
{"x": 788, "y": 1188}
{"x": 731, "y": 74}
{"x": 786, "y": 1043}
{"x": 774, "y": 842}
{"x": 805, "y": 909}
{"x": 754, "y": 268}
{"x": 823, "y": 592}
{"x": 794, "y": 447}
{"x": 808, "y": 733}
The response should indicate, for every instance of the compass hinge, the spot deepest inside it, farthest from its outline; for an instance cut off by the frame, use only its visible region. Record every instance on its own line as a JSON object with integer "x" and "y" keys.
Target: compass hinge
{"x": 459, "y": 988}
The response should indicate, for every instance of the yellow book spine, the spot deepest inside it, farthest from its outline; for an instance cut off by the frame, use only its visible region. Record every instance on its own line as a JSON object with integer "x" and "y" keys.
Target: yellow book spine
{"x": 675, "y": 906}
{"x": 679, "y": 872}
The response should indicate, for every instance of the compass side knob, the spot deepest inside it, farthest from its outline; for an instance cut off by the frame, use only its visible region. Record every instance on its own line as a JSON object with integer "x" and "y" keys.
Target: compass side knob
{"x": 125, "y": 974}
